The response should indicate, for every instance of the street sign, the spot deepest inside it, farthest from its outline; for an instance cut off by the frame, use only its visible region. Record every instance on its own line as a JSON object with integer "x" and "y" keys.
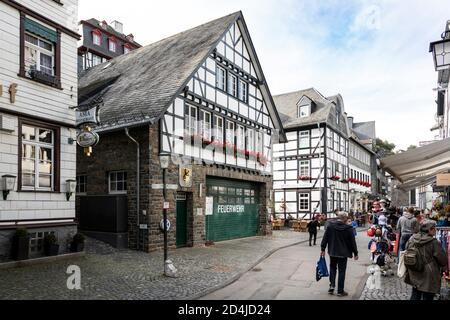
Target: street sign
{"x": 443, "y": 180}
{"x": 161, "y": 225}
{"x": 166, "y": 205}
{"x": 161, "y": 186}
{"x": 86, "y": 139}
{"x": 143, "y": 226}
{"x": 87, "y": 117}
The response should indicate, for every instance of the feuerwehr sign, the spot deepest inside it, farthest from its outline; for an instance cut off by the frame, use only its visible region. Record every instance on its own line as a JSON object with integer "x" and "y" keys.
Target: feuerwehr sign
{"x": 87, "y": 117}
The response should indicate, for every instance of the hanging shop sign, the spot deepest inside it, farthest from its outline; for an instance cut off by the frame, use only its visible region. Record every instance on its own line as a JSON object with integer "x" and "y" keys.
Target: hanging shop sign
{"x": 443, "y": 180}
{"x": 185, "y": 174}
{"x": 87, "y": 138}
{"x": 87, "y": 117}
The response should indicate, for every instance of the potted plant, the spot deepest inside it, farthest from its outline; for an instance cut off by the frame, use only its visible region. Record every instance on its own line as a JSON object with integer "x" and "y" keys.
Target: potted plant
{"x": 21, "y": 244}
{"x": 51, "y": 246}
{"x": 77, "y": 244}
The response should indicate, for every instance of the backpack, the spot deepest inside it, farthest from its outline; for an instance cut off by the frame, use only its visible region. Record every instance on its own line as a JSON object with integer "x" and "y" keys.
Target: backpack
{"x": 414, "y": 260}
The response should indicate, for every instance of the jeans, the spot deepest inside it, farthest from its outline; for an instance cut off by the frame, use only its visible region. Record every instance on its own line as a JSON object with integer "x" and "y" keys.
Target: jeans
{"x": 335, "y": 264}
{"x": 404, "y": 240}
{"x": 311, "y": 236}
{"x": 419, "y": 295}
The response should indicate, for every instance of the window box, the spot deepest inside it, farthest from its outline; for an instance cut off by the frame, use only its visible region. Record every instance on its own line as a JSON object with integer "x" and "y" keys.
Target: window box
{"x": 335, "y": 178}
{"x": 304, "y": 178}
{"x": 345, "y": 181}
{"x": 43, "y": 77}
{"x": 261, "y": 159}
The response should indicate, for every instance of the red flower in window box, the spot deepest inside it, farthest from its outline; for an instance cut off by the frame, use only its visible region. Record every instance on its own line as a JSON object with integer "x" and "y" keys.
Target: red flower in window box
{"x": 345, "y": 181}
{"x": 335, "y": 178}
{"x": 304, "y": 178}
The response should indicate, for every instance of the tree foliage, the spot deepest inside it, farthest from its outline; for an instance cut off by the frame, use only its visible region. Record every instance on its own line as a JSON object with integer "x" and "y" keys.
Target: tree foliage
{"x": 384, "y": 148}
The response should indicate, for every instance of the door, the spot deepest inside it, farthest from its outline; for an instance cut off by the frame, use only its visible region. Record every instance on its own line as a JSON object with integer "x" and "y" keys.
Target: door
{"x": 181, "y": 221}
{"x": 235, "y": 210}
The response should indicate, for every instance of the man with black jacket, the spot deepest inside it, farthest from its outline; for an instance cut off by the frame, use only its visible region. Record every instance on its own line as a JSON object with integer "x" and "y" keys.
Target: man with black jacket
{"x": 341, "y": 245}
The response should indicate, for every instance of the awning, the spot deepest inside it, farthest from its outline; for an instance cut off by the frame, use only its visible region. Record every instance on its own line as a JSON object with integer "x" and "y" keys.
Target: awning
{"x": 419, "y": 167}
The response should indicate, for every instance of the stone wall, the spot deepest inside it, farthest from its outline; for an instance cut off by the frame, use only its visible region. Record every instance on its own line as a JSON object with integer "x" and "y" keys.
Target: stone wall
{"x": 116, "y": 152}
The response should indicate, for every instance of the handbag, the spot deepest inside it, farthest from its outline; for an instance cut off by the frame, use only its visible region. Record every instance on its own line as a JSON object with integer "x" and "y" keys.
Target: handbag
{"x": 321, "y": 269}
{"x": 401, "y": 265}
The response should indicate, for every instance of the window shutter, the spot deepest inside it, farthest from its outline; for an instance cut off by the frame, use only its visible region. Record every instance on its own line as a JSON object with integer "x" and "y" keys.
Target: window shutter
{"x": 440, "y": 103}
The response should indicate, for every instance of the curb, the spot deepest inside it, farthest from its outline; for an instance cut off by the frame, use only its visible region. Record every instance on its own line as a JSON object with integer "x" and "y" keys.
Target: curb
{"x": 239, "y": 275}
{"x": 44, "y": 260}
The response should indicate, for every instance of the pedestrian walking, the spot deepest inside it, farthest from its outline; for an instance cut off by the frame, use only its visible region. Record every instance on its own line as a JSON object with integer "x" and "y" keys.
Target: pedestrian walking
{"x": 312, "y": 229}
{"x": 407, "y": 225}
{"x": 426, "y": 283}
{"x": 341, "y": 245}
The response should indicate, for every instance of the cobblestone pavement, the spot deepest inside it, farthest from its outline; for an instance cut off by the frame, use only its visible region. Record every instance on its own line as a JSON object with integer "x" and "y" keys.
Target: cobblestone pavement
{"x": 107, "y": 273}
{"x": 392, "y": 288}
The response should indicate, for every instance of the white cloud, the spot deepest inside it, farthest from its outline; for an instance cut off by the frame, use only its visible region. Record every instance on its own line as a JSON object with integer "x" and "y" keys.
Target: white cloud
{"x": 375, "y": 53}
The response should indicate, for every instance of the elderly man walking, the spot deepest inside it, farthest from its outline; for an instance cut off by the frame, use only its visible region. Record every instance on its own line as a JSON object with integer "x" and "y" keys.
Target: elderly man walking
{"x": 341, "y": 245}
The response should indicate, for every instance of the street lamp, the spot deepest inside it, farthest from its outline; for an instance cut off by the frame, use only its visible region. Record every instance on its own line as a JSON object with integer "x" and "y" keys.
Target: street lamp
{"x": 169, "y": 268}
{"x": 441, "y": 52}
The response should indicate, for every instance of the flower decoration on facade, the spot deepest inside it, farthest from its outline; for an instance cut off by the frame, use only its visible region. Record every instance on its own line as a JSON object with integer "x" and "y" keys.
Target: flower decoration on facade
{"x": 304, "y": 178}
{"x": 335, "y": 178}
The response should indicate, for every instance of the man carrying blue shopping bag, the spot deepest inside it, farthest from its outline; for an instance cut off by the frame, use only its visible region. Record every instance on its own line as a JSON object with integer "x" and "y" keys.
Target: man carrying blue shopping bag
{"x": 341, "y": 245}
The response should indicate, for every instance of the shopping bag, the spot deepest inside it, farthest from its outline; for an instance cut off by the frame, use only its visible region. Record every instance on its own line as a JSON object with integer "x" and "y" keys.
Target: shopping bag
{"x": 397, "y": 240}
{"x": 401, "y": 265}
{"x": 321, "y": 269}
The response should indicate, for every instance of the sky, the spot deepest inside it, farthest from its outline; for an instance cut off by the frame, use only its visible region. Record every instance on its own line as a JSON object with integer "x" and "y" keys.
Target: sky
{"x": 373, "y": 52}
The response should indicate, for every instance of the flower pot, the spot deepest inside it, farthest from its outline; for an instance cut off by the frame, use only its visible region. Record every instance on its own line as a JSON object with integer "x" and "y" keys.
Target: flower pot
{"x": 51, "y": 250}
{"x": 20, "y": 248}
{"x": 77, "y": 247}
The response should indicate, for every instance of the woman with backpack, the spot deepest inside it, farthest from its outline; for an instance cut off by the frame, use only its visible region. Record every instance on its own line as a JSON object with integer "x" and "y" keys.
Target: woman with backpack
{"x": 424, "y": 258}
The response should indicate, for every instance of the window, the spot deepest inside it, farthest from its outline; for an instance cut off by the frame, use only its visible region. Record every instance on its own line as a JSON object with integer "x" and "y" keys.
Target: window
{"x": 250, "y": 140}
{"x": 304, "y": 140}
{"x": 221, "y": 78}
{"x": 336, "y": 142}
{"x": 303, "y": 202}
{"x": 190, "y": 120}
{"x": 232, "y": 85}
{"x": 241, "y": 137}
{"x": 112, "y": 45}
{"x": 81, "y": 184}
{"x": 243, "y": 91}
{"x": 37, "y": 242}
{"x": 218, "y": 128}
{"x": 38, "y": 163}
{"x": 97, "y": 38}
{"x": 230, "y": 133}
{"x": 304, "y": 168}
{"x": 126, "y": 49}
{"x": 205, "y": 118}
{"x": 304, "y": 111}
{"x": 338, "y": 117}
{"x": 91, "y": 60}
{"x": 118, "y": 182}
{"x": 39, "y": 54}
{"x": 259, "y": 142}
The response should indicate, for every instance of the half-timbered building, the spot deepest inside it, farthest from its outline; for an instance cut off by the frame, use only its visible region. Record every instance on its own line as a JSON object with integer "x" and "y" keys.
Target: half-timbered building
{"x": 311, "y": 169}
{"x": 38, "y": 92}
{"x": 200, "y": 96}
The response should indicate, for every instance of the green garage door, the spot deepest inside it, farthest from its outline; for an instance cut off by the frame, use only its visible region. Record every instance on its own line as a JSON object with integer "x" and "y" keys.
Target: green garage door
{"x": 236, "y": 210}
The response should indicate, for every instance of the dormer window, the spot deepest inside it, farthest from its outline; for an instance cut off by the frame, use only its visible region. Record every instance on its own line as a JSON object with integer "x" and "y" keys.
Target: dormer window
{"x": 112, "y": 44}
{"x": 126, "y": 48}
{"x": 130, "y": 37}
{"x": 104, "y": 24}
{"x": 97, "y": 37}
{"x": 304, "y": 111}
{"x": 338, "y": 117}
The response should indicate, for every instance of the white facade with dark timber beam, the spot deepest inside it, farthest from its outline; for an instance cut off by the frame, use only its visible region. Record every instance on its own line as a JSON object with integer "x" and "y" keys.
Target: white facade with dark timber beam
{"x": 311, "y": 171}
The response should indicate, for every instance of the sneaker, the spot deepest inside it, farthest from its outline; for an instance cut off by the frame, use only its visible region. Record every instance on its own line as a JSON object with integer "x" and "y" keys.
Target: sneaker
{"x": 331, "y": 290}
{"x": 342, "y": 294}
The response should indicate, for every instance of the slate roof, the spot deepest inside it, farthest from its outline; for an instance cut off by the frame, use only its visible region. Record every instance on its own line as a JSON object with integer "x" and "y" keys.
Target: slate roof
{"x": 364, "y": 130}
{"x": 139, "y": 86}
{"x": 323, "y": 110}
{"x": 98, "y": 24}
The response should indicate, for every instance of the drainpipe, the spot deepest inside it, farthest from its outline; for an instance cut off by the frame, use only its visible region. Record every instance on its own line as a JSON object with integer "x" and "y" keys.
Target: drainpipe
{"x": 137, "y": 186}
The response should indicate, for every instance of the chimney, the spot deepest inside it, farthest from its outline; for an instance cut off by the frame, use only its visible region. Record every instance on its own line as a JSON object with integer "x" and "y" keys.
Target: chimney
{"x": 350, "y": 122}
{"x": 118, "y": 26}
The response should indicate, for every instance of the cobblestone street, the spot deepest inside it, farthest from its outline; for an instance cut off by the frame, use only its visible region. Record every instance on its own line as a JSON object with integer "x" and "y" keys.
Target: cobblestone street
{"x": 392, "y": 288}
{"x": 107, "y": 273}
